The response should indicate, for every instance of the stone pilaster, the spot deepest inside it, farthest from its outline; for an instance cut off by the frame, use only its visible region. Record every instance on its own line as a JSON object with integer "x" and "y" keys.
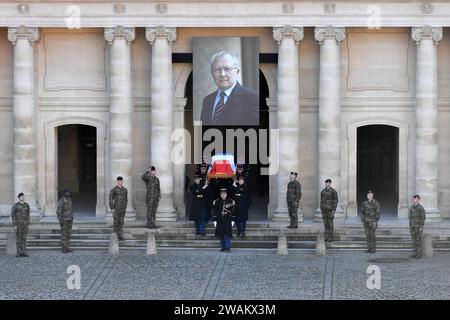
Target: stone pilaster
{"x": 162, "y": 116}
{"x": 25, "y": 159}
{"x": 288, "y": 114}
{"x": 329, "y": 155}
{"x": 427, "y": 156}
{"x": 121, "y": 110}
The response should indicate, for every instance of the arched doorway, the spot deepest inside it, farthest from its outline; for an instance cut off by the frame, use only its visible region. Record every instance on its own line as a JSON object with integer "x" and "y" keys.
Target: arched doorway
{"x": 258, "y": 184}
{"x": 77, "y": 166}
{"x": 378, "y": 166}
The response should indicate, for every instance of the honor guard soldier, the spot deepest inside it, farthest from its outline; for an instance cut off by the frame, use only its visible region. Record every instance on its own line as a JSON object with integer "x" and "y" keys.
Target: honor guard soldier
{"x": 370, "y": 214}
{"x": 242, "y": 199}
{"x": 118, "y": 201}
{"x": 223, "y": 216}
{"x": 416, "y": 222}
{"x": 20, "y": 215}
{"x": 64, "y": 212}
{"x": 199, "y": 206}
{"x": 328, "y": 204}
{"x": 153, "y": 195}
{"x": 293, "y": 196}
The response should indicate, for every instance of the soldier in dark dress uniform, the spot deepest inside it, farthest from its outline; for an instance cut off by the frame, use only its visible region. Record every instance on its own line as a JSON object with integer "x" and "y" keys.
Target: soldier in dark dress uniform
{"x": 223, "y": 216}
{"x": 199, "y": 205}
{"x": 242, "y": 199}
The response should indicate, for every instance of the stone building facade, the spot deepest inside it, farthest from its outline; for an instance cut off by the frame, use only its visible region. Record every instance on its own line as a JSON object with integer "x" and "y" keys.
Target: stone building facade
{"x": 339, "y": 66}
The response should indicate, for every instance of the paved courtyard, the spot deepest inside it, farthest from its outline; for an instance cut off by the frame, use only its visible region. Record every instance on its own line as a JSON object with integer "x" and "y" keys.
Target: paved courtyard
{"x": 209, "y": 274}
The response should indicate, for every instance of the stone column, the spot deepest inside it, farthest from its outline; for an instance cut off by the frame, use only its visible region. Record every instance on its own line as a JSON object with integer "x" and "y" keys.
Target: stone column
{"x": 179, "y": 168}
{"x": 288, "y": 113}
{"x": 162, "y": 116}
{"x": 329, "y": 155}
{"x": 25, "y": 159}
{"x": 121, "y": 110}
{"x": 426, "y": 39}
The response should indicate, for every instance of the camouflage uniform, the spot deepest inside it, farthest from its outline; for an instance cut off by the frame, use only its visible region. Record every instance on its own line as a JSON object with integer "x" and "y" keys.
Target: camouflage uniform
{"x": 152, "y": 197}
{"x": 370, "y": 214}
{"x": 328, "y": 204}
{"x": 118, "y": 200}
{"x": 293, "y": 196}
{"x": 416, "y": 221}
{"x": 20, "y": 215}
{"x": 65, "y": 217}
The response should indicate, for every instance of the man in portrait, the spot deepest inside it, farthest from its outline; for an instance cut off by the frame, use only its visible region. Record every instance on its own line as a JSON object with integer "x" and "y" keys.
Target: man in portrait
{"x": 231, "y": 104}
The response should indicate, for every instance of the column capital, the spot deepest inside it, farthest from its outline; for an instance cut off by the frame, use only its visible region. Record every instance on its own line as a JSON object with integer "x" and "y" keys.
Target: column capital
{"x": 426, "y": 33}
{"x": 14, "y": 33}
{"x": 280, "y": 33}
{"x": 329, "y": 32}
{"x": 161, "y": 32}
{"x": 128, "y": 33}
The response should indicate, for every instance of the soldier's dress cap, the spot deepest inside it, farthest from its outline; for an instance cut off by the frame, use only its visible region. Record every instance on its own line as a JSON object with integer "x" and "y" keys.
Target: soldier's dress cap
{"x": 241, "y": 177}
{"x": 20, "y": 195}
{"x": 119, "y": 178}
{"x": 197, "y": 176}
{"x": 370, "y": 191}
{"x": 328, "y": 180}
{"x": 223, "y": 190}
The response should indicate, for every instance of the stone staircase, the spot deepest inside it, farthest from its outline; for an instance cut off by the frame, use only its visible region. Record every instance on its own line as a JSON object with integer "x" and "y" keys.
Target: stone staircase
{"x": 261, "y": 235}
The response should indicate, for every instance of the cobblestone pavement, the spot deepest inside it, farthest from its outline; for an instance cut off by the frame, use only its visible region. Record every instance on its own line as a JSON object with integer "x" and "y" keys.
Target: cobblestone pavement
{"x": 208, "y": 274}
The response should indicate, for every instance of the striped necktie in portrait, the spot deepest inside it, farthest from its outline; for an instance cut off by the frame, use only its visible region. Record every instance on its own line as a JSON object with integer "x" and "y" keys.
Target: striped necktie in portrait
{"x": 220, "y": 106}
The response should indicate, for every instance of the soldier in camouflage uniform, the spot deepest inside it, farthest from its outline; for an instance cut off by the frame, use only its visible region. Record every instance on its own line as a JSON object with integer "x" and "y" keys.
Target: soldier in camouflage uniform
{"x": 65, "y": 217}
{"x": 20, "y": 215}
{"x": 416, "y": 222}
{"x": 118, "y": 201}
{"x": 328, "y": 204}
{"x": 153, "y": 195}
{"x": 370, "y": 214}
{"x": 293, "y": 196}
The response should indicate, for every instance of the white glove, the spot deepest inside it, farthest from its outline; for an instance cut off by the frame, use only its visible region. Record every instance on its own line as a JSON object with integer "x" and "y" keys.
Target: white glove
{"x": 215, "y": 223}
{"x": 232, "y": 224}
{"x": 205, "y": 186}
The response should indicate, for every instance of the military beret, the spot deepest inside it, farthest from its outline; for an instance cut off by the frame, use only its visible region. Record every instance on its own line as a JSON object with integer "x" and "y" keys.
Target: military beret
{"x": 294, "y": 173}
{"x": 417, "y": 196}
{"x": 197, "y": 176}
{"x": 241, "y": 177}
{"x": 119, "y": 178}
{"x": 20, "y": 195}
{"x": 328, "y": 180}
{"x": 370, "y": 191}
{"x": 152, "y": 168}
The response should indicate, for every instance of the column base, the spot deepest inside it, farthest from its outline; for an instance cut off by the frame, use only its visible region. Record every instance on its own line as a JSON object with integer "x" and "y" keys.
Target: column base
{"x": 432, "y": 215}
{"x": 338, "y": 216}
{"x": 35, "y": 214}
{"x": 166, "y": 215}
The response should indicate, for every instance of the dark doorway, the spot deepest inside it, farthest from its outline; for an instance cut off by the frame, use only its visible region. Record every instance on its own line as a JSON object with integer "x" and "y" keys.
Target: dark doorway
{"x": 377, "y": 166}
{"x": 77, "y": 166}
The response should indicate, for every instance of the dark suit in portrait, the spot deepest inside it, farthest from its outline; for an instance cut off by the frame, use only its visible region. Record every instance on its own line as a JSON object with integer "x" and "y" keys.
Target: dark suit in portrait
{"x": 241, "y": 108}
